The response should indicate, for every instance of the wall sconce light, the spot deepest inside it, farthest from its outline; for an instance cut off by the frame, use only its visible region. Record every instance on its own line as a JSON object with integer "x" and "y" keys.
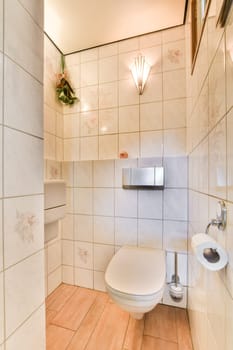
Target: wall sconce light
{"x": 140, "y": 71}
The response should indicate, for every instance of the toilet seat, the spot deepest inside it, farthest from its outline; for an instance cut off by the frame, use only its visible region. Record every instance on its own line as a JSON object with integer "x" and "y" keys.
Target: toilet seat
{"x": 136, "y": 273}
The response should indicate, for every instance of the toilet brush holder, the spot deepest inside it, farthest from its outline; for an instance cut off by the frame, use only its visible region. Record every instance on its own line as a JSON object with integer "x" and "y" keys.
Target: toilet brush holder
{"x": 176, "y": 289}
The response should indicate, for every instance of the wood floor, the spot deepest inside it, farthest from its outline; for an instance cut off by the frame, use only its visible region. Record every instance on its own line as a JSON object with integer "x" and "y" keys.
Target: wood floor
{"x": 79, "y": 318}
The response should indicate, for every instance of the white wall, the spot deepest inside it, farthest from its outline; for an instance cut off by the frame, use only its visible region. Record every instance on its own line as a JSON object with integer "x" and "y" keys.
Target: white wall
{"x": 22, "y": 324}
{"x": 209, "y": 138}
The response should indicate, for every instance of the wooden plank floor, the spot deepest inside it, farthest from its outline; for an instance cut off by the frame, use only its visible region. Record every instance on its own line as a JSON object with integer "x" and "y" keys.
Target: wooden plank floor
{"x": 84, "y": 319}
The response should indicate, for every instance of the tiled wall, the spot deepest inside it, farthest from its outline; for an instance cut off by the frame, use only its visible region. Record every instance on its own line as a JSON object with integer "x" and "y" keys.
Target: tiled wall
{"x": 22, "y": 324}
{"x": 53, "y": 154}
{"x": 102, "y": 217}
{"x": 111, "y": 117}
{"x": 209, "y": 138}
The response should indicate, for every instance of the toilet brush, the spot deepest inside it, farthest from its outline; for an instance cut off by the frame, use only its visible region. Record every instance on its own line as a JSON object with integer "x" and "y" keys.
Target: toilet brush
{"x": 176, "y": 290}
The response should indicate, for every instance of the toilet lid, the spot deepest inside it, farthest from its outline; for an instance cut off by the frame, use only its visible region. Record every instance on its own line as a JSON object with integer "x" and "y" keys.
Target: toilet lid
{"x": 138, "y": 271}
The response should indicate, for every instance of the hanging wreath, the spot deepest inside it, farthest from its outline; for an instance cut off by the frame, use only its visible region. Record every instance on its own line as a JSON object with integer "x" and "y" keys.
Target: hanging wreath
{"x": 64, "y": 91}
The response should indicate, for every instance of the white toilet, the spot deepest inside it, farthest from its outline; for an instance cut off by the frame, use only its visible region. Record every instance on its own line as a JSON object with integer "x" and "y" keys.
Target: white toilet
{"x": 135, "y": 279}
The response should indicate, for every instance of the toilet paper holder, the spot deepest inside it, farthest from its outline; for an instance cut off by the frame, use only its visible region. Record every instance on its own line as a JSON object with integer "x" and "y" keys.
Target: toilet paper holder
{"x": 221, "y": 218}
{"x": 210, "y": 254}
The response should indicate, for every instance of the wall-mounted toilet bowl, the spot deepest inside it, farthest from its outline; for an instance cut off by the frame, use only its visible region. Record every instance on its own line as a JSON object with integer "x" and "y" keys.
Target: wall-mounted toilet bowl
{"x": 135, "y": 279}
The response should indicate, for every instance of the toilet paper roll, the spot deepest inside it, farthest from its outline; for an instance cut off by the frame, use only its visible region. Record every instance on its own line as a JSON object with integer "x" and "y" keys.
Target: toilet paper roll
{"x": 202, "y": 241}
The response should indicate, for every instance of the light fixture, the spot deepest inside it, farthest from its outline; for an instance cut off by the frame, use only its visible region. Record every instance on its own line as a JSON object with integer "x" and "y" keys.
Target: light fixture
{"x": 140, "y": 71}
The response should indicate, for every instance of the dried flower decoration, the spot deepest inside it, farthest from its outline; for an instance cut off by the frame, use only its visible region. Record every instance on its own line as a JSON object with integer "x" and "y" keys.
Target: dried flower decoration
{"x": 64, "y": 91}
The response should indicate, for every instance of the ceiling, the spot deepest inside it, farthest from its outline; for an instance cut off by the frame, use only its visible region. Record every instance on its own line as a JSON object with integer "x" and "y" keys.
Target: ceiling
{"x": 76, "y": 25}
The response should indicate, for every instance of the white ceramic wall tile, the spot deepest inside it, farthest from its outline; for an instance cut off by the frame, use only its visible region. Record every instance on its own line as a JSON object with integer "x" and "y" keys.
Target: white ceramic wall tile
{"x": 99, "y": 283}
{"x": 229, "y": 63}
{"x": 104, "y": 229}
{"x": 229, "y": 245}
{"x": 1, "y": 27}
{"x": 54, "y": 256}
{"x": 108, "y": 69}
{"x": 150, "y": 233}
{"x": 229, "y": 321}
{"x": 89, "y": 123}
{"x": 31, "y": 335}
{"x": 83, "y": 255}
{"x": 68, "y": 274}
{"x": 89, "y": 55}
{"x": 26, "y": 112}
{"x": 128, "y": 45}
{"x": 54, "y": 279}
{"x": 29, "y": 172}
{"x": 83, "y": 174}
{"x": 108, "y": 147}
{"x": 217, "y": 160}
{"x": 69, "y": 200}
{"x": 173, "y": 34}
{"x": 176, "y": 170}
{"x": 149, "y": 40}
{"x": 215, "y": 307}
{"x": 103, "y": 201}
{"x": 151, "y": 143}
{"x": 2, "y": 308}
{"x": 175, "y": 235}
{"x": 150, "y": 204}
{"x": 49, "y": 119}
{"x": 174, "y": 113}
{"x": 83, "y": 278}
{"x": 102, "y": 256}
{"x": 89, "y": 148}
{"x": 119, "y": 165}
{"x": 108, "y": 95}
{"x": 36, "y": 10}
{"x": 108, "y": 121}
{"x": 104, "y": 173}
{"x": 126, "y": 203}
{"x": 153, "y": 89}
{"x": 125, "y": 231}
{"x": 83, "y": 228}
{"x": 108, "y": 50}
{"x": 49, "y": 146}
{"x": 129, "y": 143}
{"x": 68, "y": 173}
{"x": 175, "y": 142}
{"x": 1, "y": 77}
{"x": 175, "y": 204}
{"x": 60, "y": 149}
{"x": 59, "y": 125}
{"x": 1, "y": 238}
{"x": 151, "y": 116}
{"x": 217, "y": 92}
{"x": 128, "y": 93}
{"x": 23, "y": 40}
{"x": 71, "y": 149}
{"x": 67, "y": 252}
{"x": 126, "y": 61}
{"x": 89, "y": 73}
{"x": 153, "y": 56}
{"x": 21, "y": 296}
{"x": 83, "y": 201}
{"x": 89, "y": 98}
{"x": 23, "y": 228}
{"x": 174, "y": 84}
{"x": 71, "y": 125}
{"x": 174, "y": 55}
{"x": 128, "y": 119}
{"x": 230, "y": 156}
